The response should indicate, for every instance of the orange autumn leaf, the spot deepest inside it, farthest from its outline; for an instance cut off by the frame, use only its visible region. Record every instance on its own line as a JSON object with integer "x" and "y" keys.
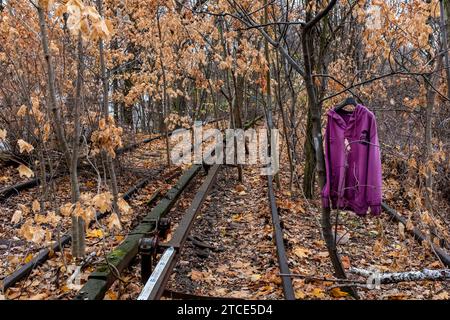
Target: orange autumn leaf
{"x": 24, "y": 171}
{"x": 24, "y": 146}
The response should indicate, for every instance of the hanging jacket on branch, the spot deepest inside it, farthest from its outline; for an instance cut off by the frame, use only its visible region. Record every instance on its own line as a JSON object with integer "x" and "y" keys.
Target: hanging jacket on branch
{"x": 352, "y": 161}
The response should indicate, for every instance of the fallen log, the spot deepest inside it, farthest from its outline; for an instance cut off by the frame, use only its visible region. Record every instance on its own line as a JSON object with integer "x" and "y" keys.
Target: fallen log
{"x": 395, "y": 277}
{"x": 15, "y": 189}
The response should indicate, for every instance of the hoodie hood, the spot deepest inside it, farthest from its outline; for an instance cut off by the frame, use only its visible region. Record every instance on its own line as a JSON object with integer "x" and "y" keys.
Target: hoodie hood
{"x": 339, "y": 120}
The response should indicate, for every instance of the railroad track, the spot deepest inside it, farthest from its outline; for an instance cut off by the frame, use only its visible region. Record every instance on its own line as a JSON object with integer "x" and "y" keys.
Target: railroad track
{"x": 155, "y": 224}
{"x": 145, "y": 239}
{"x": 42, "y": 256}
{"x": 155, "y": 284}
{"x": 13, "y": 190}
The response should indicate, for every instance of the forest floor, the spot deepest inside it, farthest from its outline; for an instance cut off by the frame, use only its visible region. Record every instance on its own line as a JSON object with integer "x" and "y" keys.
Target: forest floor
{"x": 235, "y": 223}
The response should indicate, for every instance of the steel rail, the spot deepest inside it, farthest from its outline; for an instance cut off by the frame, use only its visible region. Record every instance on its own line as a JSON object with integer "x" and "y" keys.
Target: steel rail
{"x": 155, "y": 286}
{"x": 419, "y": 236}
{"x": 103, "y": 277}
{"x": 286, "y": 279}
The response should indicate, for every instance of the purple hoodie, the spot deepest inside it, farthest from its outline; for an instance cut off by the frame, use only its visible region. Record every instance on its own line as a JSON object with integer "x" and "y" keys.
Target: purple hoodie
{"x": 352, "y": 161}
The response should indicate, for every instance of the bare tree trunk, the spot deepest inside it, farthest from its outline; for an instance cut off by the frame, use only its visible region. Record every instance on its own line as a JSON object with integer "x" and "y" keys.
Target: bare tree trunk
{"x": 310, "y": 159}
{"x": 431, "y": 95}
{"x": 54, "y": 110}
{"x": 444, "y": 37}
{"x": 78, "y": 224}
{"x": 238, "y": 101}
{"x": 104, "y": 77}
{"x": 285, "y": 130}
{"x": 71, "y": 159}
{"x": 165, "y": 96}
{"x": 228, "y": 96}
{"x": 269, "y": 91}
{"x": 316, "y": 110}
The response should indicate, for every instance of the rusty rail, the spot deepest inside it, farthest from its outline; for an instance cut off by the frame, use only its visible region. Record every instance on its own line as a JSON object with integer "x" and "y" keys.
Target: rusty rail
{"x": 419, "y": 236}
{"x": 155, "y": 286}
{"x": 117, "y": 260}
{"x": 288, "y": 288}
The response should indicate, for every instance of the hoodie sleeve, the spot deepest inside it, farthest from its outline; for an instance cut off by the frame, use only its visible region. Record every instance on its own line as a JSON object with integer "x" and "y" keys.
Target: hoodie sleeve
{"x": 374, "y": 180}
{"x": 326, "y": 187}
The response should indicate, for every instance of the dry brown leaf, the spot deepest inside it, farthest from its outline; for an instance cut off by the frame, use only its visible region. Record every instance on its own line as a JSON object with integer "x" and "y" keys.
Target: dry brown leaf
{"x": 24, "y": 209}
{"x": 28, "y": 258}
{"x": 24, "y": 146}
{"x": 255, "y": 277}
{"x": 111, "y": 295}
{"x": 409, "y": 225}
{"x": 302, "y": 252}
{"x": 299, "y": 294}
{"x": 114, "y": 222}
{"x": 318, "y": 293}
{"x": 222, "y": 268}
{"x": 242, "y": 294}
{"x": 96, "y": 233}
{"x": 397, "y": 296}
{"x": 441, "y": 296}
{"x": 124, "y": 207}
{"x": 378, "y": 248}
{"x": 36, "y": 206}
{"x": 11, "y": 295}
{"x": 88, "y": 215}
{"x": 78, "y": 211}
{"x": 66, "y": 209}
{"x": 338, "y": 293}
{"x": 102, "y": 201}
{"x": 401, "y": 230}
{"x": 52, "y": 219}
{"x": 39, "y": 296}
{"x": 2, "y": 134}
{"x": 435, "y": 264}
{"x": 196, "y": 275}
{"x": 17, "y": 216}
{"x": 32, "y": 233}
{"x": 346, "y": 262}
{"x": 24, "y": 171}
{"x": 22, "y": 111}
